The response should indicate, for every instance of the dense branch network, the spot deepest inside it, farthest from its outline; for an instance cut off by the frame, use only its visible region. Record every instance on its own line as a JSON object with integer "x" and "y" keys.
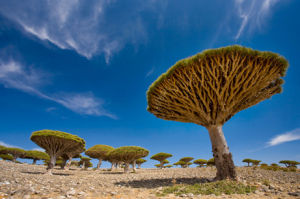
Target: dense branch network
{"x": 210, "y": 87}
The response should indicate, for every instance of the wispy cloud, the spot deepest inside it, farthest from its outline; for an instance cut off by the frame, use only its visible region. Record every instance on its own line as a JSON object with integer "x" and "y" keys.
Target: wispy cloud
{"x": 38, "y": 149}
{"x": 7, "y": 145}
{"x": 150, "y": 72}
{"x": 252, "y": 14}
{"x": 89, "y": 28}
{"x": 285, "y": 137}
{"x": 27, "y": 79}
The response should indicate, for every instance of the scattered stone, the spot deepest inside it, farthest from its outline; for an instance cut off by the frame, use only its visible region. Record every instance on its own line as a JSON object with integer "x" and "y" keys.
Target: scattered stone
{"x": 294, "y": 193}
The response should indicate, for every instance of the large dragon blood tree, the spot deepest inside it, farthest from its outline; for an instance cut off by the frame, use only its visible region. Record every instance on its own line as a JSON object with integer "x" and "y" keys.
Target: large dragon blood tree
{"x": 56, "y": 143}
{"x": 99, "y": 152}
{"x": 161, "y": 157}
{"x": 209, "y": 88}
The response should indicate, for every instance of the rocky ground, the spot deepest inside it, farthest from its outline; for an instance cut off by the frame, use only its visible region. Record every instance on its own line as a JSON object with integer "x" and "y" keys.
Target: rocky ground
{"x": 28, "y": 181}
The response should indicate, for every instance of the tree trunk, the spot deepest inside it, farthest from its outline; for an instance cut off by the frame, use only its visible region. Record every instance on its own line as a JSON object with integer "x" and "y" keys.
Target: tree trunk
{"x": 248, "y": 164}
{"x": 161, "y": 165}
{"x": 134, "y": 166}
{"x": 63, "y": 164}
{"x": 69, "y": 163}
{"x": 99, "y": 163}
{"x": 34, "y": 161}
{"x": 223, "y": 158}
{"x": 51, "y": 164}
{"x": 83, "y": 165}
{"x": 14, "y": 159}
{"x": 112, "y": 166}
{"x": 139, "y": 166}
{"x": 126, "y": 168}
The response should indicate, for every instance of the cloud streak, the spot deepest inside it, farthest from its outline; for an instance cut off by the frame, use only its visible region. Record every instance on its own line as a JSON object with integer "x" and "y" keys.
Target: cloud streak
{"x": 15, "y": 75}
{"x": 285, "y": 137}
{"x": 252, "y": 14}
{"x": 90, "y": 29}
{"x": 7, "y": 145}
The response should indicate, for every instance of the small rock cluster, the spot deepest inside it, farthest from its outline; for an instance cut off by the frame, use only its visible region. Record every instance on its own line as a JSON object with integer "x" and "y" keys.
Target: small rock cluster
{"x": 29, "y": 181}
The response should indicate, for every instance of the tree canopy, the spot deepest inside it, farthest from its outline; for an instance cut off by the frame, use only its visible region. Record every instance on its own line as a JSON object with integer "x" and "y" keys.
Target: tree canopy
{"x": 6, "y": 157}
{"x": 15, "y": 152}
{"x": 289, "y": 163}
{"x": 200, "y": 162}
{"x": 56, "y": 143}
{"x": 36, "y": 155}
{"x": 99, "y": 152}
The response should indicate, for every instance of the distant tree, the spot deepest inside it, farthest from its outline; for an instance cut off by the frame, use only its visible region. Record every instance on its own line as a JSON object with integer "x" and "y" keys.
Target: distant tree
{"x": 85, "y": 162}
{"x": 255, "y": 162}
{"x": 75, "y": 163}
{"x": 248, "y": 161}
{"x": 211, "y": 162}
{"x": 36, "y": 155}
{"x": 274, "y": 165}
{"x": 181, "y": 163}
{"x": 187, "y": 161}
{"x": 6, "y": 157}
{"x": 15, "y": 152}
{"x": 68, "y": 157}
{"x": 161, "y": 157}
{"x": 264, "y": 165}
{"x": 56, "y": 143}
{"x": 128, "y": 155}
{"x": 168, "y": 166}
{"x": 99, "y": 152}
{"x": 200, "y": 162}
{"x": 140, "y": 161}
{"x": 289, "y": 163}
{"x": 157, "y": 165}
{"x": 211, "y": 87}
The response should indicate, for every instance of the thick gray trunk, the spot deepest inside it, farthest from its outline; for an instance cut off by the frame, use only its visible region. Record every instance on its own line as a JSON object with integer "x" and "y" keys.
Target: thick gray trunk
{"x": 223, "y": 158}
{"x": 139, "y": 166}
{"x": 51, "y": 164}
{"x": 99, "y": 163}
{"x": 63, "y": 164}
{"x": 69, "y": 163}
{"x": 112, "y": 166}
{"x": 134, "y": 166}
{"x": 126, "y": 168}
{"x": 83, "y": 165}
{"x": 34, "y": 161}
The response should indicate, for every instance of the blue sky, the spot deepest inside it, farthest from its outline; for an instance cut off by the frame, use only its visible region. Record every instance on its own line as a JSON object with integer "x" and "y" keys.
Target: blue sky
{"x": 84, "y": 68}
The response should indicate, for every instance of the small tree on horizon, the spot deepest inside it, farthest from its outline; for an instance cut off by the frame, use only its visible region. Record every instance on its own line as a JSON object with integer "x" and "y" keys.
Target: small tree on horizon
{"x": 85, "y": 162}
{"x": 99, "y": 152}
{"x": 248, "y": 161}
{"x": 15, "y": 152}
{"x": 36, "y": 155}
{"x": 181, "y": 163}
{"x": 255, "y": 162}
{"x": 187, "y": 161}
{"x": 128, "y": 155}
{"x": 140, "y": 161}
{"x": 161, "y": 157}
{"x": 56, "y": 143}
{"x": 211, "y": 162}
{"x": 211, "y": 87}
{"x": 289, "y": 163}
{"x": 6, "y": 157}
{"x": 200, "y": 162}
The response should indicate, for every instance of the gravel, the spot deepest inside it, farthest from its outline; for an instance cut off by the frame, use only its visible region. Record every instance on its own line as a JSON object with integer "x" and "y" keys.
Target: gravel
{"x": 29, "y": 181}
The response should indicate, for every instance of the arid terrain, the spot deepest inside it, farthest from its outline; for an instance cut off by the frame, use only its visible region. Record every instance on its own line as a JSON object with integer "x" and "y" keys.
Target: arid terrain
{"x": 28, "y": 181}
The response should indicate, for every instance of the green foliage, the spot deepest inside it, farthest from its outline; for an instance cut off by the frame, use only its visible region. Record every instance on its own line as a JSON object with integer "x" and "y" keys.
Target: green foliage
{"x": 220, "y": 187}
{"x": 58, "y": 134}
{"x": 128, "y": 154}
{"x": 289, "y": 163}
{"x": 211, "y": 162}
{"x": 168, "y": 166}
{"x": 99, "y": 151}
{"x": 140, "y": 161}
{"x": 200, "y": 162}
{"x": 217, "y": 52}
{"x": 6, "y": 157}
{"x": 186, "y": 159}
{"x": 161, "y": 156}
{"x": 248, "y": 161}
{"x": 255, "y": 162}
{"x": 181, "y": 163}
{"x": 36, "y": 155}
{"x": 157, "y": 165}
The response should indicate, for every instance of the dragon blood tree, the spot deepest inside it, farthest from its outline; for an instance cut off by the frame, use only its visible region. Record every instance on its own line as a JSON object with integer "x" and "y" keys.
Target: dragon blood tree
{"x": 99, "y": 152}
{"x": 181, "y": 163}
{"x": 187, "y": 160}
{"x": 56, "y": 143}
{"x": 85, "y": 162}
{"x": 200, "y": 162}
{"x": 211, "y": 162}
{"x": 36, "y": 155}
{"x": 68, "y": 157}
{"x": 248, "y": 161}
{"x": 128, "y": 155}
{"x": 15, "y": 152}
{"x": 289, "y": 163}
{"x": 161, "y": 157}
{"x": 211, "y": 87}
{"x": 6, "y": 157}
{"x": 139, "y": 162}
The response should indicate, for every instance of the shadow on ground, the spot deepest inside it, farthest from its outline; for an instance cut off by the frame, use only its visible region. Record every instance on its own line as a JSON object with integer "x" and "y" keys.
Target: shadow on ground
{"x": 36, "y": 172}
{"x": 154, "y": 183}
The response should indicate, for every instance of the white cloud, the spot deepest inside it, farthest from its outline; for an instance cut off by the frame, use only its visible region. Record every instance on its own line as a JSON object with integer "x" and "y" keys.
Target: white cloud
{"x": 38, "y": 149}
{"x": 7, "y": 145}
{"x": 285, "y": 137}
{"x": 89, "y": 28}
{"x": 14, "y": 75}
{"x": 253, "y": 14}
{"x": 150, "y": 72}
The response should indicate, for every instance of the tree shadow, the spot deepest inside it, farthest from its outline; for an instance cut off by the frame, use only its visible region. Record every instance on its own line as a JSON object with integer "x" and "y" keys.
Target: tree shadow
{"x": 154, "y": 183}
{"x": 38, "y": 172}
